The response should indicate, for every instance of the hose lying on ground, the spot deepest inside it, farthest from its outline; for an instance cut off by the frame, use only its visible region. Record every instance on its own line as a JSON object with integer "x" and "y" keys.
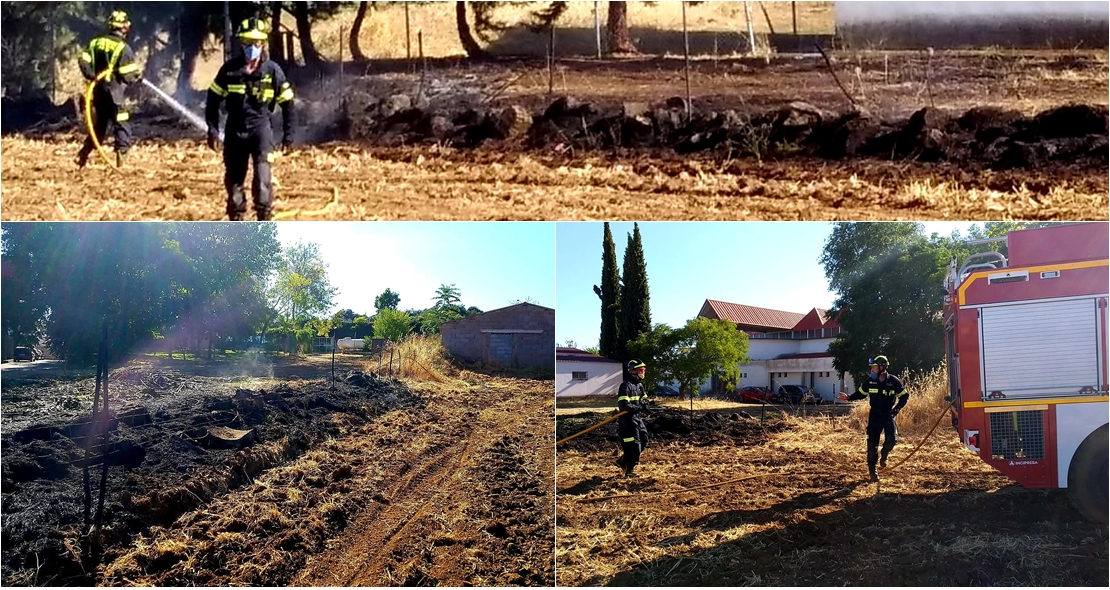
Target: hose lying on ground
{"x": 594, "y": 427}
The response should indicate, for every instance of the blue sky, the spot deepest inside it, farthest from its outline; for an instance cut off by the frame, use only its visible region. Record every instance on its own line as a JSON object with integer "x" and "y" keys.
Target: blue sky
{"x": 765, "y": 264}
{"x": 491, "y": 263}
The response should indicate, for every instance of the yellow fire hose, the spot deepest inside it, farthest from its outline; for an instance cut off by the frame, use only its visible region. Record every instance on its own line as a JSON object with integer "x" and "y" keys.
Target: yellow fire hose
{"x": 88, "y": 116}
{"x": 931, "y": 430}
{"x": 740, "y": 479}
{"x": 594, "y": 427}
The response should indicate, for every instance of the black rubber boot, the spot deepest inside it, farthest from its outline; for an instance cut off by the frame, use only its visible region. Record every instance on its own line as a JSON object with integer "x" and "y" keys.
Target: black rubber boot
{"x": 83, "y": 158}
{"x": 882, "y": 459}
{"x": 629, "y": 472}
{"x": 874, "y": 475}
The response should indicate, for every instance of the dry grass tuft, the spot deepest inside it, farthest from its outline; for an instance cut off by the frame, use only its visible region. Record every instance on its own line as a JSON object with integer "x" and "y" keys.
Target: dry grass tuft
{"x": 423, "y": 358}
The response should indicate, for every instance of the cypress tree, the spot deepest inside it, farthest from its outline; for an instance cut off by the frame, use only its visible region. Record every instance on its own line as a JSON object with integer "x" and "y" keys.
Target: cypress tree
{"x": 609, "y": 344}
{"x": 635, "y": 308}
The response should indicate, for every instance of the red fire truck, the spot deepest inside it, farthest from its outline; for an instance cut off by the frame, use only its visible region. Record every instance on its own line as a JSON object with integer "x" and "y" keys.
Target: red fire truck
{"x": 1026, "y": 339}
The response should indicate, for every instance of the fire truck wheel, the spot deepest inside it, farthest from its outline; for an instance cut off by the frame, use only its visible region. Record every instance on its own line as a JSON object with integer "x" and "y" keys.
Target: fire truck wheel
{"x": 1087, "y": 477}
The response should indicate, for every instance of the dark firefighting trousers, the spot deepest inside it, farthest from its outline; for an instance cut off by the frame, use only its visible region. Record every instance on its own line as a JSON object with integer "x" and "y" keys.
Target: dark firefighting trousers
{"x": 105, "y": 112}
{"x": 634, "y": 439}
{"x": 880, "y": 423}
{"x": 253, "y": 147}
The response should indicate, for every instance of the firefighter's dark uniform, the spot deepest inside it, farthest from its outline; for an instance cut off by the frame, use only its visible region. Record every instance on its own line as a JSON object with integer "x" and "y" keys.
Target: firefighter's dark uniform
{"x": 886, "y": 396}
{"x": 106, "y": 52}
{"x": 248, "y": 136}
{"x": 632, "y": 398}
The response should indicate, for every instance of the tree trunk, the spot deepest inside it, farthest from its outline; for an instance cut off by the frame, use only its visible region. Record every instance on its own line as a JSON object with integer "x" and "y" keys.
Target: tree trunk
{"x": 277, "y": 46}
{"x": 470, "y": 45}
{"x": 620, "y": 40}
{"x": 193, "y": 33}
{"x": 304, "y": 31}
{"x": 356, "y": 29}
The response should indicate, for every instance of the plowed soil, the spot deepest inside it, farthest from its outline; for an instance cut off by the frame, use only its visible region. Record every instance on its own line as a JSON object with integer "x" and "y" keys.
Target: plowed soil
{"x": 171, "y": 178}
{"x": 807, "y": 516}
{"x": 373, "y": 482}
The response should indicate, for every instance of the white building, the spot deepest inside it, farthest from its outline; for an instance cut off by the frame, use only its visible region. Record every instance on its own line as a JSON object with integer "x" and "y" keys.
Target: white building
{"x": 579, "y": 373}
{"x": 785, "y": 348}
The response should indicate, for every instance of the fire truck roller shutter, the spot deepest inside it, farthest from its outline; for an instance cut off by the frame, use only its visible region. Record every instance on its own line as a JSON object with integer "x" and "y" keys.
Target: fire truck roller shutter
{"x": 1087, "y": 478}
{"x": 1037, "y": 349}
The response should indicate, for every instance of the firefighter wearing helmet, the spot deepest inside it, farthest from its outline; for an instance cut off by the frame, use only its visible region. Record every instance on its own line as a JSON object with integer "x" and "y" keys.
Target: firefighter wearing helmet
{"x": 252, "y": 86}
{"x": 109, "y": 53}
{"x": 887, "y": 398}
{"x": 632, "y": 399}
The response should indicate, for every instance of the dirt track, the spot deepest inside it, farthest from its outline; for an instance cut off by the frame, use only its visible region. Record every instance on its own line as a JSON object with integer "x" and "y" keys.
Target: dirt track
{"x": 377, "y": 482}
{"x": 942, "y": 519}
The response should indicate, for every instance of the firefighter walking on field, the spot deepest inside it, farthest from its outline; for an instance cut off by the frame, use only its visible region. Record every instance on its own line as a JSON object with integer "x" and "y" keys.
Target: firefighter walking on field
{"x": 252, "y": 87}
{"x": 632, "y": 398}
{"x": 887, "y": 398}
{"x": 109, "y": 53}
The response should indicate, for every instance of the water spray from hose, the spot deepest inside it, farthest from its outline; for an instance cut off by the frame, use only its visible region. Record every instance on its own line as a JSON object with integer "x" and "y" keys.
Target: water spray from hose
{"x": 189, "y": 116}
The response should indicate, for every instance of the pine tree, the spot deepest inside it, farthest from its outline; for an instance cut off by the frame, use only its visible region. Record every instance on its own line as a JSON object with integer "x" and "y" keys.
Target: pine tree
{"x": 635, "y": 304}
{"x": 609, "y": 343}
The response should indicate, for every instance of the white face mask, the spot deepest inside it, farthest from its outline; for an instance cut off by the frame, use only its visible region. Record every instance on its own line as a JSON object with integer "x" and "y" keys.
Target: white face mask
{"x": 252, "y": 52}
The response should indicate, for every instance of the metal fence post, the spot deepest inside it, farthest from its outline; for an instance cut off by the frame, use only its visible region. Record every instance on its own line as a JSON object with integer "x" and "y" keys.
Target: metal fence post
{"x": 597, "y": 27}
{"x": 686, "y": 52}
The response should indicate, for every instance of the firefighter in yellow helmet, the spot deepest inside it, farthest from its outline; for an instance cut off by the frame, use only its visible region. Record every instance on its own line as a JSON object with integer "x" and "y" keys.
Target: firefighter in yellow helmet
{"x": 887, "y": 398}
{"x": 632, "y": 399}
{"x": 110, "y": 51}
{"x": 251, "y": 86}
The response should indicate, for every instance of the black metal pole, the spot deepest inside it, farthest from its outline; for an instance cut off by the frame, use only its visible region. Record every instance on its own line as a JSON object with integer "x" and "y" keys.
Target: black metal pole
{"x": 408, "y": 35}
{"x": 686, "y": 51}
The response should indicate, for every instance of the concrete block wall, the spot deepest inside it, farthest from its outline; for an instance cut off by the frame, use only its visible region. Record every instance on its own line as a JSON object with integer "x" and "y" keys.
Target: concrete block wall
{"x": 465, "y": 339}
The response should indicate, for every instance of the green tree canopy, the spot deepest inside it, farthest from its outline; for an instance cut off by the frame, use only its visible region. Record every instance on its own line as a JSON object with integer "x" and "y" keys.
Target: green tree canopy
{"x": 635, "y": 301}
{"x": 141, "y": 280}
{"x": 446, "y": 296}
{"x": 888, "y": 279}
{"x": 609, "y": 292}
{"x": 387, "y": 300}
{"x": 302, "y": 289}
{"x": 692, "y": 354}
{"x": 391, "y": 324}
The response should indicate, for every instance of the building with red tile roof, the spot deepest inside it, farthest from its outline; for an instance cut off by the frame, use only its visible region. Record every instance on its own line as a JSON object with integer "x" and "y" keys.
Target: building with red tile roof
{"x": 785, "y": 348}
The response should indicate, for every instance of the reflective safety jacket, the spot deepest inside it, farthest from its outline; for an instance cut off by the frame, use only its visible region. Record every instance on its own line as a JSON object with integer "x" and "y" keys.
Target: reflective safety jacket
{"x": 632, "y": 398}
{"x": 110, "y": 52}
{"x": 250, "y": 96}
{"x": 885, "y": 395}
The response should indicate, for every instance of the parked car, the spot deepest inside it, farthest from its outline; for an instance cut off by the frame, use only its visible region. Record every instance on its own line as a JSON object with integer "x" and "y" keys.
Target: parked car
{"x": 756, "y": 394}
{"x": 664, "y": 391}
{"x": 798, "y": 394}
{"x": 25, "y": 353}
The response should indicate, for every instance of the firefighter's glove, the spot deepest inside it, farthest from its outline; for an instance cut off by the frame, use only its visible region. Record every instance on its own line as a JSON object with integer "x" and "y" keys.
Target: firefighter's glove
{"x": 213, "y": 139}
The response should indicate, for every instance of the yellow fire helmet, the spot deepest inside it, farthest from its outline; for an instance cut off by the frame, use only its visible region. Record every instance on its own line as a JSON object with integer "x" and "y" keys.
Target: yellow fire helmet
{"x": 252, "y": 29}
{"x": 118, "y": 20}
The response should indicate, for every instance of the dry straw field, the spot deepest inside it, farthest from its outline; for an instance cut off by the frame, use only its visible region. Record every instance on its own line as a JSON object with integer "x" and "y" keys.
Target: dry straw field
{"x": 772, "y": 138}
{"x": 723, "y": 499}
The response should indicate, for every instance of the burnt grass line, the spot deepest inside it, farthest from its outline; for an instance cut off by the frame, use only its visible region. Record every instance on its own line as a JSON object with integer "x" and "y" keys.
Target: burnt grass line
{"x": 163, "y": 469}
